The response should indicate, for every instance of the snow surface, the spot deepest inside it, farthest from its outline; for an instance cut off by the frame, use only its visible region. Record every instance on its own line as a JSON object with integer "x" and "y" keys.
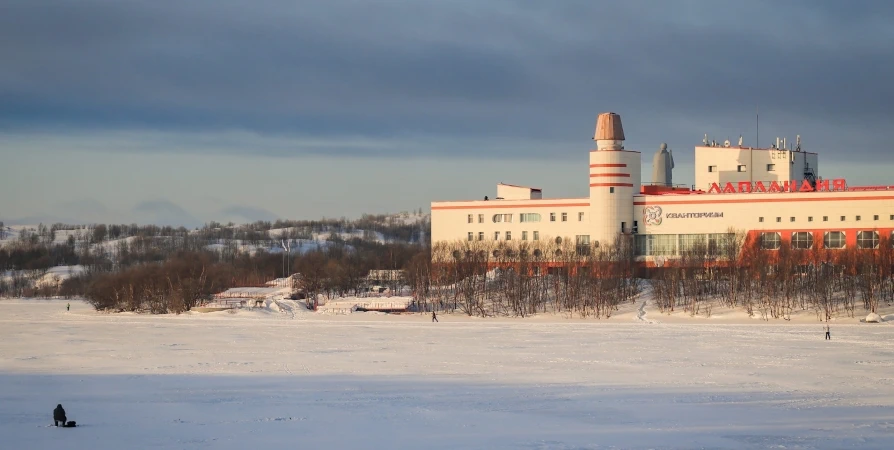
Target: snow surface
{"x": 275, "y": 378}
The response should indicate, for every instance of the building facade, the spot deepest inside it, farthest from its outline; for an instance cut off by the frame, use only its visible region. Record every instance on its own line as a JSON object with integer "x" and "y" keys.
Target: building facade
{"x": 774, "y": 194}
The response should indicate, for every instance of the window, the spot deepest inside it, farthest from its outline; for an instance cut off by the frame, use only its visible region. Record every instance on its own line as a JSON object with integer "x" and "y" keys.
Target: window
{"x": 552, "y": 217}
{"x": 867, "y": 239}
{"x": 480, "y": 235}
{"x": 892, "y": 217}
{"x": 760, "y": 219}
{"x": 564, "y": 217}
{"x": 834, "y": 239}
{"x": 858, "y": 218}
{"x": 524, "y": 235}
{"x": 471, "y": 235}
{"x": 582, "y": 243}
{"x": 502, "y": 218}
{"x": 742, "y": 168}
{"x": 779, "y": 219}
{"x": 480, "y": 218}
{"x": 498, "y": 218}
{"x": 508, "y": 235}
{"x": 802, "y": 240}
{"x": 771, "y": 167}
{"x": 536, "y": 235}
{"x": 712, "y": 168}
{"x": 470, "y": 218}
{"x": 770, "y": 241}
{"x": 580, "y": 217}
{"x": 690, "y": 243}
{"x": 842, "y": 218}
{"x": 611, "y": 190}
{"x": 657, "y": 244}
{"x": 810, "y": 218}
{"x": 529, "y": 217}
{"x": 875, "y": 217}
{"x": 496, "y": 235}
{"x": 791, "y": 219}
{"x": 825, "y": 218}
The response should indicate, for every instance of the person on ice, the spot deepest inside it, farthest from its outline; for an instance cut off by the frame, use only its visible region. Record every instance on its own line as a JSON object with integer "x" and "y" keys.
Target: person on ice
{"x": 434, "y": 317}
{"x": 828, "y": 332}
{"x": 59, "y": 415}
{"x": 68, "y": 306}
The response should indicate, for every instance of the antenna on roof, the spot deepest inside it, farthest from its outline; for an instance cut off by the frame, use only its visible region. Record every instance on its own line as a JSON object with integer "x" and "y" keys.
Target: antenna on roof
{"x": 705, "y": 140}
{"x": 740, "y": 140}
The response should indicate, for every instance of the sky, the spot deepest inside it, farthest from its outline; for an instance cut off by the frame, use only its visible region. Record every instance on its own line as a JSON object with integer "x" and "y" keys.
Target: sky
{"x": 184, "y": 112}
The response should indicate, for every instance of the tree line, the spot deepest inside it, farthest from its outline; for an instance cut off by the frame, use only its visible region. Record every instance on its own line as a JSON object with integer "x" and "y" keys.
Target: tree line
{"x": 520, "y": 278}
{"x": 184, "y": 279}
{"x": 739, "y": 273}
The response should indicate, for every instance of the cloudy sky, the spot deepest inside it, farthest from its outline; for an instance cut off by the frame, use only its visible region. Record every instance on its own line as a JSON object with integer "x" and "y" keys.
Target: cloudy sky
{"x": 184, "y": 112}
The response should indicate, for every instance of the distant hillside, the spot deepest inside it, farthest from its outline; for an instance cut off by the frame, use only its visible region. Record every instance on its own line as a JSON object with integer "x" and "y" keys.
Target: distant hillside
{"x": 41, "y": 246}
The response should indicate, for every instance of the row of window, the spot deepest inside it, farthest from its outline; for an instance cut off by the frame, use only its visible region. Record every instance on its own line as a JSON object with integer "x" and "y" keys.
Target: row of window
{"x": 523, "y": 217}
{"x": 677, "y": 244}
{"x": 509, "y": 253}
{"x": 804, "y": 240}
{"x": 524, "y": 236}
{"x": 713, "y": 244}
{"x": 582, "y": 246}
{"x": 826, "y": 218}
{"x": 581, "y": 239}
{"x": 744, "y": 168}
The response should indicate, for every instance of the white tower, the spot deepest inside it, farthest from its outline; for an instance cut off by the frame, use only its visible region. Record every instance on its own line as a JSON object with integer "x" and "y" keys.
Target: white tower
{"x": 615, "y": 176}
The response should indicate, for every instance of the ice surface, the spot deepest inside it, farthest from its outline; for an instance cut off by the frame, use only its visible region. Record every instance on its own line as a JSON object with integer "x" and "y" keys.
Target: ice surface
{"x": 271, "y": 379}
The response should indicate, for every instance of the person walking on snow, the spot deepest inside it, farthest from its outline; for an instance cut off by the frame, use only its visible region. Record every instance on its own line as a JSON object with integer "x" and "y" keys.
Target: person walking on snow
{"x": 434, "y": 317}
{"x": 828, "y": 332}
{"x": 68, "y": 306}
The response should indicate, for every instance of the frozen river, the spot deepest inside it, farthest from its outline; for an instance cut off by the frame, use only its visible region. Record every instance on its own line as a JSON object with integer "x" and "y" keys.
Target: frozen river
{"x": 273, "y": 380}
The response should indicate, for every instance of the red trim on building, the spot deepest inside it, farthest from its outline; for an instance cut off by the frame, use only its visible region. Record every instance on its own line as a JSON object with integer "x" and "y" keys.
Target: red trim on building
{"x": 803, "y": 198}
{"x": 619, "y": 175}
{"x": 498, "y": 204}
{"x": 850, "y": 235}
{"x": 608, "y": 165}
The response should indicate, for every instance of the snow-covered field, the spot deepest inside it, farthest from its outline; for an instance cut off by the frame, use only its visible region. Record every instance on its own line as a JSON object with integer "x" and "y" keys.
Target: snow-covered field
{"x": 267, "y": 379}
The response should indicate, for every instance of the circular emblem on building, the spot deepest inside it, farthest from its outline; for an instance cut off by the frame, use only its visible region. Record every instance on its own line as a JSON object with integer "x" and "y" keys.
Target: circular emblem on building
{"x": 652, "y": 215}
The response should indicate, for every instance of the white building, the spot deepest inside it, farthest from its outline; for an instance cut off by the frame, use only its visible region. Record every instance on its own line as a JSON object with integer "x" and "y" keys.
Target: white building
{"x": 774, "y": 194}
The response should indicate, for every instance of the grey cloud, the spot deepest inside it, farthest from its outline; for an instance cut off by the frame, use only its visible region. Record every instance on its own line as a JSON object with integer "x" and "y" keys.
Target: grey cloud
{"x": 462, "y": 71}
